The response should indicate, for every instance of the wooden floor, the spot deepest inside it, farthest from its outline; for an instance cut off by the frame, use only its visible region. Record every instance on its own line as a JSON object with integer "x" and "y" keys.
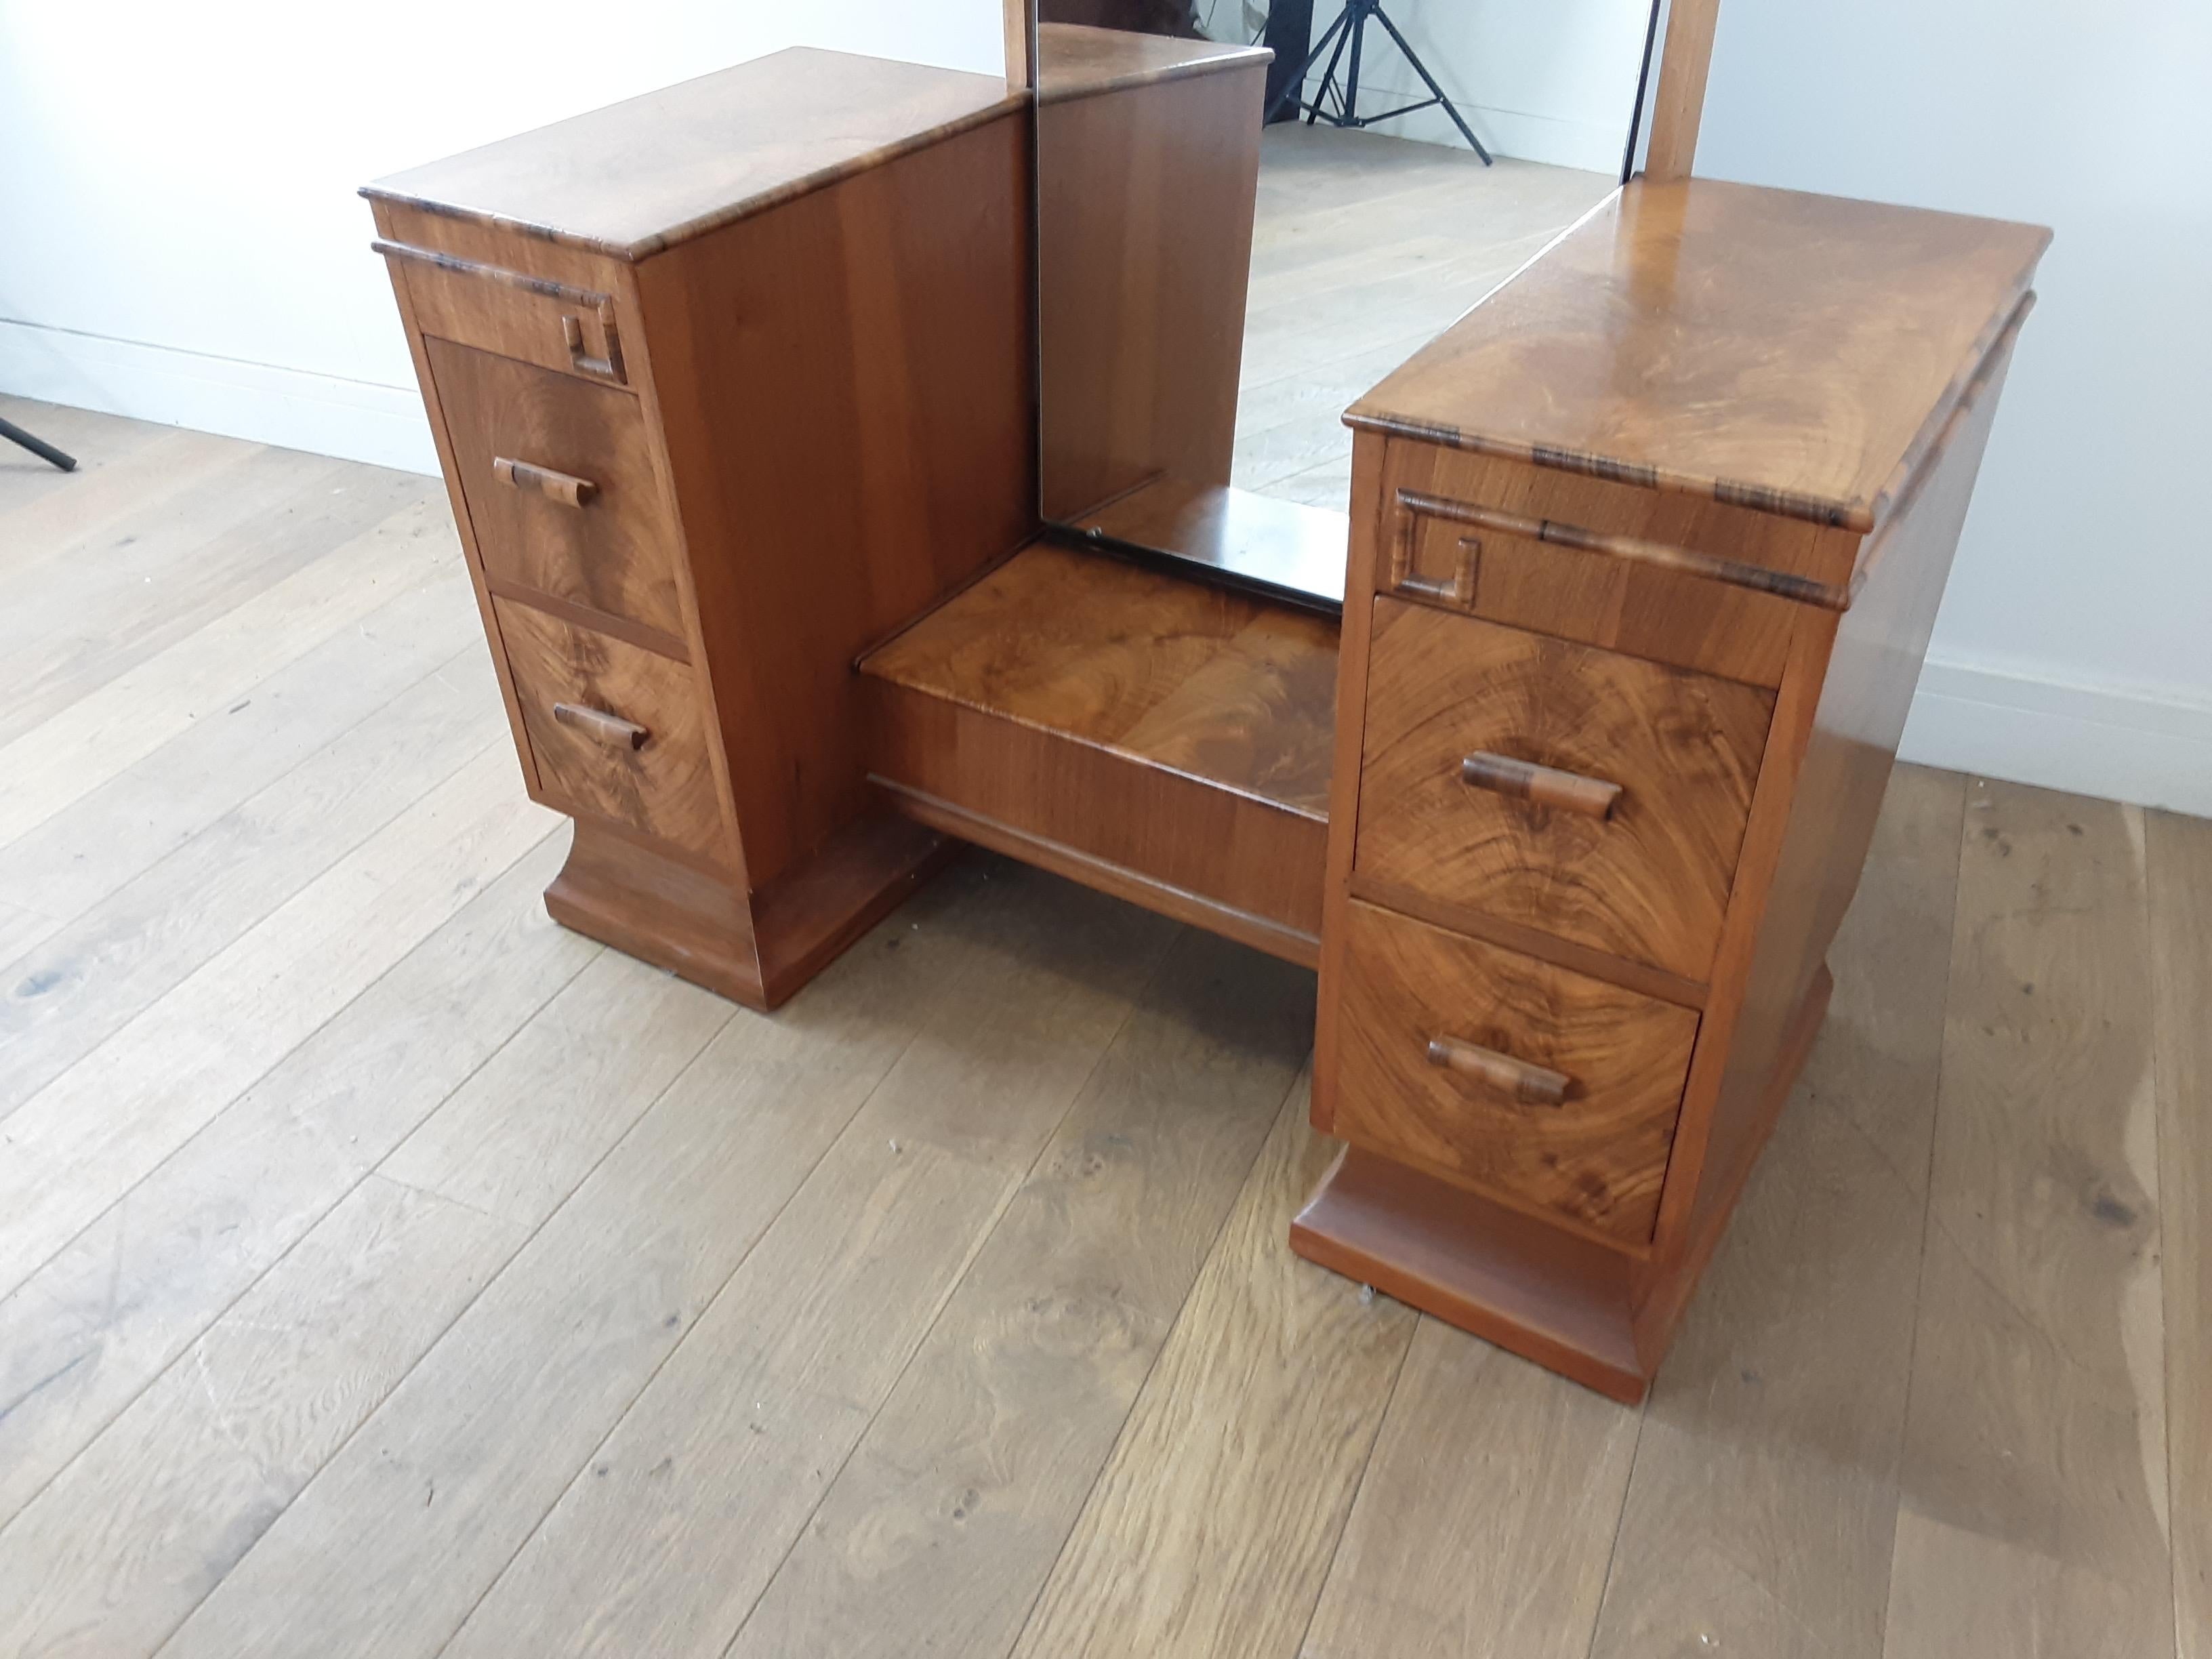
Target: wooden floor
{"x": 385, "y": 1271}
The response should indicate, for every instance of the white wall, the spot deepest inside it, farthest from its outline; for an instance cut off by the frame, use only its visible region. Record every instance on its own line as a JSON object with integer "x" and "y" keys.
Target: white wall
{"x": 180, "y": 237}
{"x": 2075, "y": 645}
{"x": 1551, "y": 82}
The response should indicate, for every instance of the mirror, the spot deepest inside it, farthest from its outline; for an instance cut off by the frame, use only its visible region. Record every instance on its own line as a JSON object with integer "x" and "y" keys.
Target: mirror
{"x": 1250, "y": 211}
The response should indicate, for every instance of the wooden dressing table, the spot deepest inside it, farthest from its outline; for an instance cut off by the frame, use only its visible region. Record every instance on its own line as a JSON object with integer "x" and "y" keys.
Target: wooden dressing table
{"x": 732, "y": 388}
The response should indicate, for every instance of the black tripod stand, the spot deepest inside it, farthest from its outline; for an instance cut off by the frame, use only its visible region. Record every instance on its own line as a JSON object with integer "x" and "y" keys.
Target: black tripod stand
{"x": 1350, "y": 29}
{"x": 38, "y": 447}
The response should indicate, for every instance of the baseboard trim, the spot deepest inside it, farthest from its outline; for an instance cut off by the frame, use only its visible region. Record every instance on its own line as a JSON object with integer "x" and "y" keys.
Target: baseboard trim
{"x": 2117, "y": 743}
{"x": 293, "y": 409}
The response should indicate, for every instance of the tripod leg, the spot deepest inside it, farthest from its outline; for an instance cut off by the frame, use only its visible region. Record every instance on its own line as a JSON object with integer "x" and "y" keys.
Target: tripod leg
{"x": 1297, "y": 83}
{"x": 1352, "y": 72}
{"x": 38, "y": 447}
{"x": 1342, "y": 29}
{"x": 1430, "y": 82}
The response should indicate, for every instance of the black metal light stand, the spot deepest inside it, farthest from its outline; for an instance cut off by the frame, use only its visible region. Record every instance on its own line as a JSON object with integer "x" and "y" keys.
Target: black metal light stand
{"x": 38, "y": 447}
{"x": 1350, "y": 29}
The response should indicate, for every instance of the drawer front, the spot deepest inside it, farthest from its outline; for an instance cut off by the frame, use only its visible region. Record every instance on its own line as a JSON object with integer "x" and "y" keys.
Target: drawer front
{"x": 560, "y": 485}
{"x": 1632, "y": 853}
{"x": 1505, "y": 1073}
{"x": 557, "y": 325}
{"x": 616, "y": 731}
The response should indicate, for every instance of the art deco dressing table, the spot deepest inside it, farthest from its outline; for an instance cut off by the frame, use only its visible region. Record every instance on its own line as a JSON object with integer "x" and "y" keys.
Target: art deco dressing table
{"x": 735, "y": 387}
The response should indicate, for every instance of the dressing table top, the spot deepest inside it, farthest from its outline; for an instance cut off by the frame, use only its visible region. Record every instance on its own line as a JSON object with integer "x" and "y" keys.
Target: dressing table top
{"x": 1075, "y": 60}
{"x": 1793, "y": 353}
{"x": 642, "y": 175}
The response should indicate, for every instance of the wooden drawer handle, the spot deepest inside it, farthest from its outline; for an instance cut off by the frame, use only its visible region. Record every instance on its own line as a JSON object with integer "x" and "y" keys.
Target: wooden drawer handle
{"x": 597, "y": 724}
{"x": 1459, "y": 590}
{"x": 1546, "y": 785}
{"x": 609, "y": 367}
{"x": 553, "y": 486}
{"x": 1533, "y": 1085}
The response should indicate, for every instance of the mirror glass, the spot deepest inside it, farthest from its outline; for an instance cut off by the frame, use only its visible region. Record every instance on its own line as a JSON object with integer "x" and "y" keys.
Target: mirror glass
{"x": 1249, "y": 211}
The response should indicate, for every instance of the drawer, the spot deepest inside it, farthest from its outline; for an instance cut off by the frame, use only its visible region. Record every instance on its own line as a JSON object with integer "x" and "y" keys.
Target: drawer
{"x": 1635, "y": 591}
{"x": 1635, "y": 860}
{"x": 558, "y": 477}
{"x": 1541, "y": 1085}
{"x": 616, "y": 731}
{"x": 557, "y": 325}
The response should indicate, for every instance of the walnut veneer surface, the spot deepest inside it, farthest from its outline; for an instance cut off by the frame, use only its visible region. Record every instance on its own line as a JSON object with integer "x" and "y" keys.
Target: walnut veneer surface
{"x": 1645, "y": 553}
{"x": 728, "y": 381}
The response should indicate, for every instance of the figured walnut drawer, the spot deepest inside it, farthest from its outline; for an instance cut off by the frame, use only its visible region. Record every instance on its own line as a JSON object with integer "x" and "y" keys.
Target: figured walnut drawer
{"x": 559, "y": 480}
{"x": 1596, "y": 1155}
{"x": 1648, "y": 881}
{"x": 616, "y": 731}
{"x": 557, "y": 326}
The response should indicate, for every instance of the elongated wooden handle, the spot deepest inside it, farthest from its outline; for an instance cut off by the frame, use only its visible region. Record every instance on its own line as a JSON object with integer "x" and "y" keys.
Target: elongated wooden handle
{"x": 1533, "y": 1085}
{"x": 1546, "y": 785}
{"x": 561, "y": 486}
{"x": 597, "y": 724}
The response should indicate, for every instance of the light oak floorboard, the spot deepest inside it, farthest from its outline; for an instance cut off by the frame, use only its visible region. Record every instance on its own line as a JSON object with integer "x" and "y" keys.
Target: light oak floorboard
{"x": 2180, "y": 852}
{"x": 1486, "y": 1520}
{"x": 127, "y": 1295}
{"x": 1761, "y": 1514}
{"x": 940, "y": 1529}
{"x": 517, "y": 1138}
{"x": 132, "y": 593}
{"x": 96, "y": 1130}
{"x": 97, "y": 442}
{"x": 62, "y": 1000}
{"x": 1211, "y": 1528}
{"x": 46, "y": 516}
{"x": 120, "y": 828}
{"x": 1004, "y": 1022}
{"x": 132, "y": 1535}
{"x": 2033, "y": 1518}
{"x": 76, "y": 750}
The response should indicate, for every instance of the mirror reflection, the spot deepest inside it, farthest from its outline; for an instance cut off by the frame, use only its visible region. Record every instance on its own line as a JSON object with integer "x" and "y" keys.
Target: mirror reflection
{"x": 1248, "y": 213}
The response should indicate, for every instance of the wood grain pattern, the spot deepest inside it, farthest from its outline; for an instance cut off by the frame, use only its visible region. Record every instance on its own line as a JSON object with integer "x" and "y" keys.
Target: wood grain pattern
{"x": 897, "y": 360}
{"x": 663, "y": 786}
{"x": 948, "y": 1515}
{"x": 1143, "y": 248}
{"x": 1485, "y": 1521}
{"x": 1598, "y": 1159}
{"x": 92, "y": 1134}
{"x": 647, "y": 174}
{"x": 1264, "y": 1403}
{"x": 82, "y": 1337}
{"x": 1174, "y": 734}
{"x": 354, "y": 596}
{"x": 2179, "y": 873}
{"x": 115, "y": 1553}
{"x": 69, "y": 994}
{"x": 1229, "y": 690}
{"x": 678, "y": 1514}
{"x": 1650, "y": 881}
{"x": 2034, "y": 1510}
{"x": 1645, "y": 610}
{"x": 1679, "y": 100}
{"x": 1739, "y": 365}
{"x": 616, "y": 553}
{"x": 515, "y": 310}
{"x": 1076, "y": 60}
{"x": 1761, "y": 1515}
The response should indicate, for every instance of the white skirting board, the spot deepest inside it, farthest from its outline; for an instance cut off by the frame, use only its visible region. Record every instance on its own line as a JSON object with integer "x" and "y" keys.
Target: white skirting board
{"x": 2121, "y": 743}
{"x": 295, "y": 408}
